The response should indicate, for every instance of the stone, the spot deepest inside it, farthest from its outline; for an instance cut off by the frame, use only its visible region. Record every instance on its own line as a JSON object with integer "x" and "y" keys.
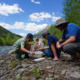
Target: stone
{"x": 17, "y": 67}
{"x": 17, "y": 76}
{"x": 49, "y": 67}
{"x": 54, "y": 63}
{"x": 75, "y": 75}
{"x": 48, "y": 78}
{"x": 39, "y": 59}
{"x": 20, "y": 71}
{"x": 25, "y": 65}
{"x": 56, "y": 76}
{"x": 24, "y": 78}
{"x": 63, "y": 72}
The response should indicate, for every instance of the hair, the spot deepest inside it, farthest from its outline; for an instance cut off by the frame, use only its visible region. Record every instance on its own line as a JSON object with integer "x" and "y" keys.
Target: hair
{"x": 37, "y": 39}
{"x": 64, "y": 25}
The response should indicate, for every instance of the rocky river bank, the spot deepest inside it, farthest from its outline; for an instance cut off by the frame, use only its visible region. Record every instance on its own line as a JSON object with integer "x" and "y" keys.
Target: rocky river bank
{"x": 47, "y": 69}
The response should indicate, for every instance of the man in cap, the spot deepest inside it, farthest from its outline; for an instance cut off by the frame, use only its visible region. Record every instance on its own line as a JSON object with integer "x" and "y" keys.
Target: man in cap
{"x": 70, "y": 41}
{"x": 22, "y": 46}
{"x": 51, "y": 50}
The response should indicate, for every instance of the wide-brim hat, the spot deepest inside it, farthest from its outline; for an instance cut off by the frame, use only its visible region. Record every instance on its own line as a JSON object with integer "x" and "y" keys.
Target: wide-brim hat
{"x": 60, "y": 21}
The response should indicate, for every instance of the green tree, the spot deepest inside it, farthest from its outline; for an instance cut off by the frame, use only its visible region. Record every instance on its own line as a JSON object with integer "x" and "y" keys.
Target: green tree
{"x": 72, "y": 11}
{"x": 8, "y": 39}
{"x": 3, "y": 41}
{"x": 54, "y": 31}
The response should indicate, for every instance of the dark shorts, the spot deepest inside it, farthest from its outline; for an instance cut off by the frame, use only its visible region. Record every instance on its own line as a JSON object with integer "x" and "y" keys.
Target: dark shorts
{"x": 71, "y": 48}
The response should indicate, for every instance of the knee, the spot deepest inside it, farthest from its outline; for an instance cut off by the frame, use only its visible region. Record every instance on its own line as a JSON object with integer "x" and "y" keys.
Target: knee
{"x": 66, "y": 48}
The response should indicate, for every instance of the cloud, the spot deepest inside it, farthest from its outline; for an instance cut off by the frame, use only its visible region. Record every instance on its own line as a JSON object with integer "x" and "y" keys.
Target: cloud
{"x": 22, "y": 34}
{"x": 34, "y": 27}
{"x": 54, "y": 18}
{"x": 36, "y": 2}
{"x": 6, "y": 9}
{"x": 22, "y": 26}
{"x": 39, "y": 16}
{"x": 16, "y": 25}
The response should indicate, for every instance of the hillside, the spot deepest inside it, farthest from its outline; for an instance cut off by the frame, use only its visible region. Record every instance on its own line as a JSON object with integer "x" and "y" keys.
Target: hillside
{"x": 39, "y": 34}
{"x": 53, "y": 31}
{"x": 6, "y": 37}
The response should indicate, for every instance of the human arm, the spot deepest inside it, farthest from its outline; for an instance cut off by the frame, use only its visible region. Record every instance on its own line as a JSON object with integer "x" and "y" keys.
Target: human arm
{"x": 59, "y": 42}
{"x": 70, "y": 40}
{"x": 43, "y": 48}
{"x": 27, "y": 51}
{"x": 53, "y": 49}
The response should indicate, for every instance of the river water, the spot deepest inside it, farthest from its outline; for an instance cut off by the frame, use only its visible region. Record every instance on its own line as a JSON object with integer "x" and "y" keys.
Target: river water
{"x": 5, "y": 49}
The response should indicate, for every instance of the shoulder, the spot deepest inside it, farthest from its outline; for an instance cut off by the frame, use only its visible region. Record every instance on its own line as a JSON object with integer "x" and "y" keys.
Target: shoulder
{"x": 72, "y": 25}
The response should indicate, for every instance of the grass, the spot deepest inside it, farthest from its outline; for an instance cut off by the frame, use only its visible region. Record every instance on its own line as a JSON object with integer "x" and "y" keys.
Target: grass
{"x": 14, "y": 64}
{"x": 36, "y": 70}
{"x": 37, "y": 73}
{"x": 52, "y": 78}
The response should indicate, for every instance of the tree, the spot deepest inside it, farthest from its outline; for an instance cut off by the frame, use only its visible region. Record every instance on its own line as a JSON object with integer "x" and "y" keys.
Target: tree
{"x": 72, "y": 11}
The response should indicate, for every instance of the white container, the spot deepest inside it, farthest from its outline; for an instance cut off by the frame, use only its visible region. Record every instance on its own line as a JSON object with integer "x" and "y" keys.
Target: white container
{"x": 37, "y": 54}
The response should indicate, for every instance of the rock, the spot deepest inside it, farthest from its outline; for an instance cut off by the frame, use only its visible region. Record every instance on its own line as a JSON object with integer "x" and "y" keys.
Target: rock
{"x": 33, "y": 78}
{"x": 25, "y": 65}
{"x": 24, "y": 78}
{"x": 56, "y": 76}
{"x": 39, "y": 59}
{"x": 54, "y": 63}
{"x": 17, "y": 76}
{"x": 18, "y": 67}
{"x": 63, "y": 72}
{"x": 75, "y": 75}
{"x": 21, "y": 71}
{"x": 48, "y": 78}
{"x": 49, "y": 67}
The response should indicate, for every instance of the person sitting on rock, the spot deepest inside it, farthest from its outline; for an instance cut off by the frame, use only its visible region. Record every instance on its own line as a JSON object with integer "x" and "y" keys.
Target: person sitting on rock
{"x": 51, "y": 50}
{"x": 22, "y": 46}
{"x": 70, "y": 41}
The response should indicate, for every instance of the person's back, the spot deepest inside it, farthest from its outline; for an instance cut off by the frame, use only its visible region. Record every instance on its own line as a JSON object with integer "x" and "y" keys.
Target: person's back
{"x": 20, "y": 41}
{"x": 74, "y": 30}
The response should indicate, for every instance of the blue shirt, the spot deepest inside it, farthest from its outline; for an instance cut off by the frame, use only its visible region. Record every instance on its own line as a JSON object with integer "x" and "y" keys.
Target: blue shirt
{"x": 72, "y": 30}
{"x": 52, "y": 40}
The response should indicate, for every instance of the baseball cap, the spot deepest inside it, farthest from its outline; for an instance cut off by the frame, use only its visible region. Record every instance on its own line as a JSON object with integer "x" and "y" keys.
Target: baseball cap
{"x": 45, "y": 33}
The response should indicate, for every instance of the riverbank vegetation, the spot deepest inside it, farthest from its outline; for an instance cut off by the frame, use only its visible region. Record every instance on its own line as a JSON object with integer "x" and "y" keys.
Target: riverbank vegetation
{"x": 6, "y": 37}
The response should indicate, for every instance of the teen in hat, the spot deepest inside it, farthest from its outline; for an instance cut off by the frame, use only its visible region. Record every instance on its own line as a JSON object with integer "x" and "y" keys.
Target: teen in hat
{"x": 70, "y": 41}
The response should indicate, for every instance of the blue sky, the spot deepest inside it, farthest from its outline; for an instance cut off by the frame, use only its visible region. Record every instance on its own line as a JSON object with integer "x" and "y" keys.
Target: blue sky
{"x": 29, "y": 16}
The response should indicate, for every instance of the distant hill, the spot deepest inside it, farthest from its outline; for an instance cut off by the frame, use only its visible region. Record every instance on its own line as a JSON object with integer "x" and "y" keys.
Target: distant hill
{"x": 39, "y": 34}
{"x": 6, "y": 37}
{"x": 52, "y": 30}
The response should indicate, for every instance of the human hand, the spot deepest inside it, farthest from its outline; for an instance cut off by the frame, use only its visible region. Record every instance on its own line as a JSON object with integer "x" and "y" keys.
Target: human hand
{"x": 33, "y": 50}
{"x": 40, "y": 49}
{"x": 57, "y": 44}
{"x": 32, "y": 53}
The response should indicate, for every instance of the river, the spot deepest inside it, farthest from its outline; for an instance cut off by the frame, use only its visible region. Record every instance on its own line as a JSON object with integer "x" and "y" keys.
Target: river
{"x": 5, "y": 49}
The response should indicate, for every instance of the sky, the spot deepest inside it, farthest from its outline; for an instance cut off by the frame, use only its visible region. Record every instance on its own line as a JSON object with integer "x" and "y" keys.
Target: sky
{"x": 29, "y": 16}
